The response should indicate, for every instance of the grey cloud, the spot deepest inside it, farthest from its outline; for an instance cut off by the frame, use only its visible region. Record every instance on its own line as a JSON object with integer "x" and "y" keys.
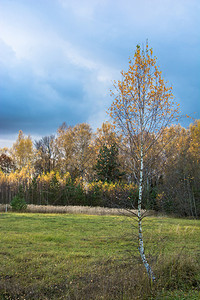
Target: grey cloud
{"x": 57, "y": 62}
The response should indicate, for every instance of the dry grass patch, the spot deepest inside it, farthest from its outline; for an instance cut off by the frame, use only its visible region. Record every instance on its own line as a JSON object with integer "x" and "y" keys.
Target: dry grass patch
{"x": 88, "y": 210}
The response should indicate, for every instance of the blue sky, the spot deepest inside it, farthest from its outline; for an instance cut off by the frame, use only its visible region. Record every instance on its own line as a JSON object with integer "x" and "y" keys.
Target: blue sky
{"x": 58, "y": 58}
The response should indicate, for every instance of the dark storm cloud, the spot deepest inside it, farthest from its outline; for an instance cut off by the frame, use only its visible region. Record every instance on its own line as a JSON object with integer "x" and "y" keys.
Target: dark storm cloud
{"x": 46, "y": 104}
{"x": 58, "y": 58}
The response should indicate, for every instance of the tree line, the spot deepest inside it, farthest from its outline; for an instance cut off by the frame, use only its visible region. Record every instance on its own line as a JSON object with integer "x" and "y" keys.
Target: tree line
{"x": 80, "y": 167}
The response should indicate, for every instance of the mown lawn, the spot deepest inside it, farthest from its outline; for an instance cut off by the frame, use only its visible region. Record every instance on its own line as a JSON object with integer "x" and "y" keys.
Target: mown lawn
{"x": 63, "y": 256}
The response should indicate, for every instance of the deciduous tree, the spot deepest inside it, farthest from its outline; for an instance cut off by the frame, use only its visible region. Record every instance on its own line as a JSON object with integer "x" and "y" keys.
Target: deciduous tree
{"x": 143, "y": 106}
{"x": 75, "y": 151}
{"x": 46, "y": 154}
{"x": 6, "y": 163}
{"x": 22, "y": 150}
{"x": 179, "y": 191}
{"x": 82, "y": 150}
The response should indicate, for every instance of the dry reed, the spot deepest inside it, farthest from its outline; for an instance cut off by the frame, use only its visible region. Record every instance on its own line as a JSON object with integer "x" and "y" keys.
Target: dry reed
{"x": 73, "y": 210}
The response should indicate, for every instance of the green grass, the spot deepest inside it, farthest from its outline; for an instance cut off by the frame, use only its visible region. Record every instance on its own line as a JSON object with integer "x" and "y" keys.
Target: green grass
{"x": 52, "y": 256}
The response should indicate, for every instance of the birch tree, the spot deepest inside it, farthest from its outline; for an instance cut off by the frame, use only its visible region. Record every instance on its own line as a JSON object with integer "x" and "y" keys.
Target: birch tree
{"x": 22, "y": 150}
{"x": 143, "y": 107}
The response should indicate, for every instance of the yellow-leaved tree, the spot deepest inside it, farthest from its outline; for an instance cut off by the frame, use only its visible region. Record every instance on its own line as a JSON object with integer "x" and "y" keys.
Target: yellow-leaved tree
{"x": 142, "y": 108}
{"x": 75, "y": 153}
{"x": 22, "y": 150}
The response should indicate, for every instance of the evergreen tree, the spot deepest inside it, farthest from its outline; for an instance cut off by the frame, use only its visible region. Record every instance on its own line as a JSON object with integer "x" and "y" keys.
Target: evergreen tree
{"x": 107, "y": 166}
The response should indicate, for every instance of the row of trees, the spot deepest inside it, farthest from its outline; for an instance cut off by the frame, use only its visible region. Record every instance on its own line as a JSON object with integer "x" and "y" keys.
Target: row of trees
{"x": 73, "y": 149}
{"x": 171, "y": 172}
{"x": 56, "y": 189}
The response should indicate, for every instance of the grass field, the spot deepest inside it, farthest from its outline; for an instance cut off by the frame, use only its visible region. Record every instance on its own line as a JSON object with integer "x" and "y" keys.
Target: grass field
{"x": 66, "y": 256}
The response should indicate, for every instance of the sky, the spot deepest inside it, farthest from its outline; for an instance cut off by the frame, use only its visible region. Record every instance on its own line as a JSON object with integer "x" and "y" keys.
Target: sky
{"x": 59, "y": 58}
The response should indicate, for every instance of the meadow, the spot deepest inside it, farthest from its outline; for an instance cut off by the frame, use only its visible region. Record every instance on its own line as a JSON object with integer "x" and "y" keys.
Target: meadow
{"x": 80, "y": 256}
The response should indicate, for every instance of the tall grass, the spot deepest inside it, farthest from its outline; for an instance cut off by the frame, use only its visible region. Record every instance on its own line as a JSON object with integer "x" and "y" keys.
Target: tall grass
{"x": 73, "y": 209}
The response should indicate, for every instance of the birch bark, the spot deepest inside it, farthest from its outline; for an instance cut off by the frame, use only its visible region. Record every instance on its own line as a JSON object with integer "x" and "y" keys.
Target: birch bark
{"x": 140, "y": 235}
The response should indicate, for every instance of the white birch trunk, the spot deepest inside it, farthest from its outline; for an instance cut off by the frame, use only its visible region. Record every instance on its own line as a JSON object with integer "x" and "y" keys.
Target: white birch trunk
{"x": 140, "y": 236}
